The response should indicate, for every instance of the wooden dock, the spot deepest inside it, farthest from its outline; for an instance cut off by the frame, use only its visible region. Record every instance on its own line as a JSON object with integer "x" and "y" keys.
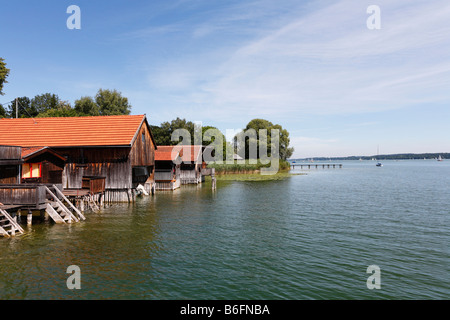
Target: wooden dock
{"x": 316, "y": 165}
{"x": 47, "y": 200}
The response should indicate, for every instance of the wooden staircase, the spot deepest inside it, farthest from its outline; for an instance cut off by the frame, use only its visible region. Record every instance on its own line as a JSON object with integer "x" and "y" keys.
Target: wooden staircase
{"x": 58, "y": 211}
{"x": 8, "y": 226}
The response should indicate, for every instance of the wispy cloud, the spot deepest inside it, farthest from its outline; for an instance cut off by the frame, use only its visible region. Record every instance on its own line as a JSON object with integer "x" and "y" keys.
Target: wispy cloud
{"x": 322, "y": 61}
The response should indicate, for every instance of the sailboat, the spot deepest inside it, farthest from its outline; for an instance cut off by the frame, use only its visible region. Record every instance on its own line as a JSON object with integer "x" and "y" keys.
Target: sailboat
{"x": 379, "y": 164}
{"x": 440, "y": 158}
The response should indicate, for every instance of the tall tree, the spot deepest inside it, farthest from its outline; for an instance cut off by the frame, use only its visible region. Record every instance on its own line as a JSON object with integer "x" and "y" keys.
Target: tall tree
{"x": 3, "y": 112}
{"x": 63, "y": 109}
{"x": 4, "y": 72}
{"x": 86, "y": 106}
{"x": 210, "y": 135}
{"x": 247, "y": 138}
{"x": 24, "y": 106}
{"x": 44, "y": 102}
{"x": 111, "y": 102}
{"x": 167, "y": 128}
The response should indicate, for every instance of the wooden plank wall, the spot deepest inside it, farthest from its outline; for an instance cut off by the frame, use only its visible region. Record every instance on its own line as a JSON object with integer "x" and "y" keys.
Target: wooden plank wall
{"x": 111, "y": 163}
{"x": 9, "y": 174}
{"x": 52, "y": 169}
{"x": 142, "y": 152}
{"x": 10, "y": 153}
{"x": 22, "y": 195}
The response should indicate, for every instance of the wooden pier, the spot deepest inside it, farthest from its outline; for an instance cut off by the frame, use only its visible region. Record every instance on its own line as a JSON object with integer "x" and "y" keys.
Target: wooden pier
{"x": 48, "y": 201}
{"x": 316, "y": 165}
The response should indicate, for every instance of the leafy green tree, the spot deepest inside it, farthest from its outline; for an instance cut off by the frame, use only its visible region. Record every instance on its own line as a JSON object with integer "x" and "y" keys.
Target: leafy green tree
{"x": 86, "y": 106}
{"x": 161, "y": 138}
{"x": 3, "y": 112}
{"x": 4, "y": 72}
{"x": 63, "y": 109}
{"x": 167, "y": 128}
{"x": 43, "y": 103}
{"x": 112, "y": 103}
{"x": 284, "y": 140}
{"x": 247, "y": 138}
{"x": 25, "y": 110}
{"x": 209, "y": 136}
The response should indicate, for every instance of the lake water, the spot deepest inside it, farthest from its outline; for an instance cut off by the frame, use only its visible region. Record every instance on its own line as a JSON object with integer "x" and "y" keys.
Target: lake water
{"x": 307, "y": 237}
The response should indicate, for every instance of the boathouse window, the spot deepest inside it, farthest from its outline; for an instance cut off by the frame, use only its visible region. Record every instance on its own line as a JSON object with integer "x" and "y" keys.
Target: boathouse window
{"x": 143, "y": 138}
{"x": 31, "y": 170}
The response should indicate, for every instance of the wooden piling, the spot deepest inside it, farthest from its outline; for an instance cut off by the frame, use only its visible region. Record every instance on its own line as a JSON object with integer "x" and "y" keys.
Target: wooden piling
{"x": 29, "y": 218}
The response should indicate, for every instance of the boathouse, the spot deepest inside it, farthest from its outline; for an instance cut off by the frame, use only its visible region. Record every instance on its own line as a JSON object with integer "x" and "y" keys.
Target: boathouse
{"x": 78, "y": 151}
{"x": 191, "y": 166}
{"x": 167, "y": 167}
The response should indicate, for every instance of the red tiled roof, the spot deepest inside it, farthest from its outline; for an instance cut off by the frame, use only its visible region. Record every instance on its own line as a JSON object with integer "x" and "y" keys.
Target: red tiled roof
{"x": 192, "y": 154}
{"x": 187, "y": 153}
{"x": 164, "y": 153}
{"x": 31, "y": 152}
{"x": 28, "y": 151}
{"x": 71, "y": 131}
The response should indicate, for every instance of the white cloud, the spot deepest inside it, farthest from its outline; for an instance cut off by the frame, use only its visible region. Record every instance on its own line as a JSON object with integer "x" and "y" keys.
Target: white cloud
{"x": 323, "y": 62}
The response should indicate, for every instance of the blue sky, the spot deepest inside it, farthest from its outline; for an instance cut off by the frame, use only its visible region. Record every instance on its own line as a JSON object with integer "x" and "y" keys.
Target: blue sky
{"x": 313, "y": 67}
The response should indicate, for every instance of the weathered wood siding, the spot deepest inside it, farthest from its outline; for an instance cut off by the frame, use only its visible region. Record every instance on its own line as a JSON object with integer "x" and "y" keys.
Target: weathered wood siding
{"x": 112, "y": 163}
{"x": 52, "y": 169}
{"x": 30, "y": 195}
{"x": 9, "y": 174}
{"x": 94, "y": 184}
{"x": 142, "y": 152}
{"x": 10, "y": 153}
{"x": 142, "y": 157}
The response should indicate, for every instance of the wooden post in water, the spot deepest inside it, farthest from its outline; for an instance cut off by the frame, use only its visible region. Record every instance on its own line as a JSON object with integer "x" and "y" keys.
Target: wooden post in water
{"x": 29, "y": 218}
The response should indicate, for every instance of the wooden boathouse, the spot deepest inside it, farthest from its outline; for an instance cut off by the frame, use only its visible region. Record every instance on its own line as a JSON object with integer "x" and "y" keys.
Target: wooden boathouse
{"x": 113, "y": 153}
{"x": 191, "y": 166}
{"x": 167, "y": 167}
{"x": 17, "y": 197}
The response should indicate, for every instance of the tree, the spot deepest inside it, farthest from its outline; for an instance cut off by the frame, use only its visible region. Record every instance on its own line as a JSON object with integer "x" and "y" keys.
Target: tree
{"x": 3, "y": 112}
{"x": 209, "y": 136}
{"x": 86, "y": 106}
{"x": 111, "y": 103}
{"x": 4, "y": 73}
{"x": 285, "y": 151}
{"x": 25, "y": 110}
{"x": 63, "y": 109}
{"x": 250, "y": 136}
{"x": 166, "y": 129}
{"x": 43, "y": 103}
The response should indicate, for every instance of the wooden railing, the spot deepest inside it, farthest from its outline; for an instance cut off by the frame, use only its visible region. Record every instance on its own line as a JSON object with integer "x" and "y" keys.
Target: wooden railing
{"x": 30, "y": 195}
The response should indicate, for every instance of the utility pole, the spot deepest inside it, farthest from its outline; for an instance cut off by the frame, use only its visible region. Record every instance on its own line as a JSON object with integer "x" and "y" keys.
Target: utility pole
{"x": 17, "y": 108}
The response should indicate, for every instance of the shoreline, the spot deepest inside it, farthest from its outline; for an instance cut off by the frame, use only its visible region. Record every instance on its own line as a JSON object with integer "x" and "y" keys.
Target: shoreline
{"x": 239, "y": 176}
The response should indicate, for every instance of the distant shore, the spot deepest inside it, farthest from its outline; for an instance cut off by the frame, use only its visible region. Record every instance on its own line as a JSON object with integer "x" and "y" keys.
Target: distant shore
{"x": 397, "y": 156}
